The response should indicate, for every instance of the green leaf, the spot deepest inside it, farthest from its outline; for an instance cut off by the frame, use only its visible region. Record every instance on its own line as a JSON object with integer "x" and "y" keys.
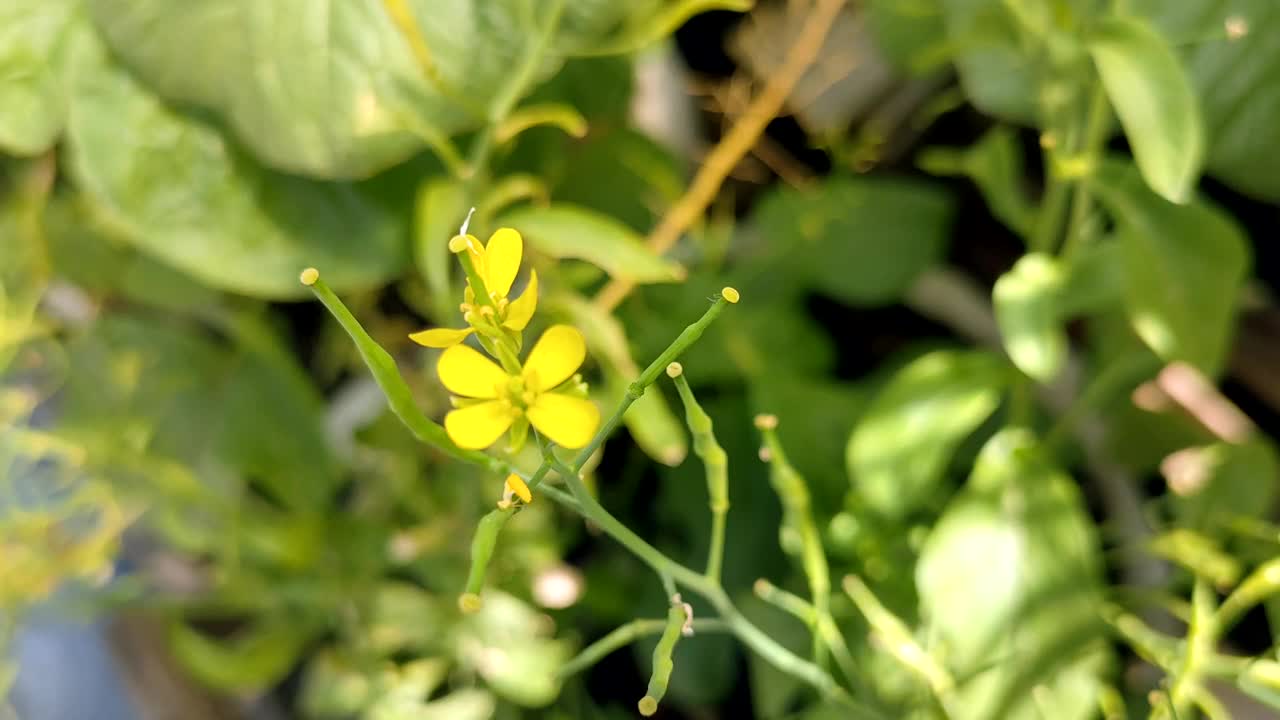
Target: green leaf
{"x": 568, "y": 231}
{"x": 1184, "y": 266}
{"x": 900, "y": 448}
{"x": 996, "y": 165}
{"x": 1009, "y": 581}
{"x": 336, "y": 88}
{"x": 996, "y": 65}
{"x": 1237, "y": 81}
{"x": 909, "y": 34}
{"x": 255, "y": 658}
{"x": 861, "y": 241}
{"x": 178, "y": 190}
{"x": 33, "y": 34}
{"x": 1029, "y": 313}
{"x": 1155, "y": 101}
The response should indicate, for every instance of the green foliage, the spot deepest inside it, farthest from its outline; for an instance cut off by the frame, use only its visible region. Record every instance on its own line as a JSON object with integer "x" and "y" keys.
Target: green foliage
{"x": 905, "y": 534}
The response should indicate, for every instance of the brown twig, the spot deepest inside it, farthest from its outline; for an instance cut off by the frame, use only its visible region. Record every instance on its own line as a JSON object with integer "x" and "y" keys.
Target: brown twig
{"x": 737, "y": 143}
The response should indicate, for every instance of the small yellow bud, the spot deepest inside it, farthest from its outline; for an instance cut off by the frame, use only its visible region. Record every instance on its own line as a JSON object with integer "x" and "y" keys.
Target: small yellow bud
{"x": 457, "y": 243}
{"x": 730, "y": 294}
{"x": 647, "y": 706}
{"x": 675, "y": 370}
{"x": 517, "y": 485}
{"x": 309, "y": 276}
{"x": 765, "y": 421}
{"x": 469, "y": 603}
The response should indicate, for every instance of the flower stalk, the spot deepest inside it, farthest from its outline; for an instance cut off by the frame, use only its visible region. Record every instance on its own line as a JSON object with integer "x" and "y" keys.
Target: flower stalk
{"x": 662, "y": 662}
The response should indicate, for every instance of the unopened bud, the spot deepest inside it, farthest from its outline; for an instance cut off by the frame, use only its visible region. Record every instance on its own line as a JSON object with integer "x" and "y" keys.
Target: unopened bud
{"x": 675, "y": 369}
{"x": 309, "y": 276}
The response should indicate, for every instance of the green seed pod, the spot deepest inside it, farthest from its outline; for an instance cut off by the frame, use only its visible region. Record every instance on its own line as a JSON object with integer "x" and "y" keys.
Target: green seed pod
{"x": 662, "y": 663}
{"x": 482, "y": 544}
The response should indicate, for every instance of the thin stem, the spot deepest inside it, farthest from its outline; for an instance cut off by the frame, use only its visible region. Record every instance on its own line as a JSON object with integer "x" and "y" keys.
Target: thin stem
{"x": 505, "y": 101}
{"x": 768, "y": 648}
{"x": 1115, "y": 378}
{"x": 387, "y": 375}
{"x": 1095, "y": 135}
{"x": 624, "y": 635}
{"x": 787, "y": 602}
{"x": 1202, "y": 637}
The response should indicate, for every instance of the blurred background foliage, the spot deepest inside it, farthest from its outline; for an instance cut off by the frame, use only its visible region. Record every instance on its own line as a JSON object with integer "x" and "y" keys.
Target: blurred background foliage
{"x": 1006, "y": 283}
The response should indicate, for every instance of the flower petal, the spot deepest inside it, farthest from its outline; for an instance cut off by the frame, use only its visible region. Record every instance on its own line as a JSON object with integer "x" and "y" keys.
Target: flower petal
{"x": 479, "y": 426}
{"x": 569, "y": 421}
{"x": 441, "y": 337}
{"x": 520, "y": 311}
{"x": 502, "y": 261}
{"x": 554, "y": 358}
{"x": 465, "y": 371}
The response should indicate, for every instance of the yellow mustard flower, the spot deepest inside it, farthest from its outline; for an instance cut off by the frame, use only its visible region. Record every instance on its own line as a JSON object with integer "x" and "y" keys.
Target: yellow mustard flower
{"x": 497, "y": 265}
{"x": 490, "y": 400}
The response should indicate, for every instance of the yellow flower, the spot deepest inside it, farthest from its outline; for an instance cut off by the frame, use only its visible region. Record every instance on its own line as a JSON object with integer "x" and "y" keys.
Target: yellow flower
{"x": 497, "y": 265}
{"x": 490, "y": 400}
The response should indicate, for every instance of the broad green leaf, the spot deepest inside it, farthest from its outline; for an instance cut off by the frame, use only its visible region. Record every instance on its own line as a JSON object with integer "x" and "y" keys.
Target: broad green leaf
{"x": 33, "y": 34}
{"x": 179, "y": 191}
{"x": 568, "y": 231}
{"x": 995, "y": 164}
{"x": 858, "y": 240}
{"x": 1029, "y": 313}
{"x": 996, "y": 65}
{"x": 1184, "y": 266}
{"x": 1155, "y": 101}
{"x": 1009, "y": 582}
{"x": 900, "y": 448}
{"x": 254, "y": 658}
{"x": 337, "y": 88}
{"x": 1237, "y": 81}
{"x": 1094, "y": 278}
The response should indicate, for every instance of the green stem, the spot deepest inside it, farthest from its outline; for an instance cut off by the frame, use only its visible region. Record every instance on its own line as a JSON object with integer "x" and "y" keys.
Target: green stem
{"x": 787, "y": 602}
{"x": 793, "y": 493}
{"x": 765, "y": 646}
{"x": 387, "y": 375}
{"x": 1095, "y": 135}
{"x": 505, "y": 101}
{"x": 716, "y": 464}
{"x": 1202, "y": 637}
{"x": 625, "y": 635}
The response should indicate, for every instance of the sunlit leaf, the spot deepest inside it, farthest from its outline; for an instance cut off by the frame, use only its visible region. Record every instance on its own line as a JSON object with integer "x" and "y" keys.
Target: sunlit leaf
{"x": 33, "y": 102}
{"x": 178, "y": 190}
{"x": 567, "y": 231}
{"x": 1183, "y": 267}
{"x": 1029, "y": 312}
{"x": 1155, "y": 101}
{"x": 900, "y": 448}
{"x": 1009, "y": 582}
